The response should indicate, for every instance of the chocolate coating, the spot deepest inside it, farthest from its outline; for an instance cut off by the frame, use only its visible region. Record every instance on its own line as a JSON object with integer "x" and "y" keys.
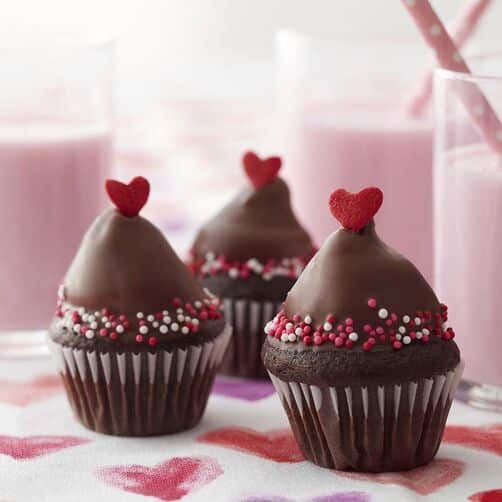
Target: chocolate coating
{"x": 257, "y": 223}
{"x": 127, "y": 265}
{"x": 352, "y": 267}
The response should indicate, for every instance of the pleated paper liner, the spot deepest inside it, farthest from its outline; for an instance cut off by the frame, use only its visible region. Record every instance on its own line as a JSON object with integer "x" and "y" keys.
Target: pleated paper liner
{"x": 371, "y": 429}
{"x": 140, "y": 394}
{"x": 248, "y": 318}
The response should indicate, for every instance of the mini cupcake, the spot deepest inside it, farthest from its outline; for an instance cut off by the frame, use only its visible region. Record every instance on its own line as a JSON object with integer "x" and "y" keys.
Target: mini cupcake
{"x": 360, "y": 354}
{"x": 250, "y": 254}
{"x": 137, "y": 338}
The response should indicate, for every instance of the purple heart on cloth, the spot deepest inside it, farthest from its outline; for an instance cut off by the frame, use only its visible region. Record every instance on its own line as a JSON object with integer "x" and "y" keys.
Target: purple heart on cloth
{"x": 239, "y": 388}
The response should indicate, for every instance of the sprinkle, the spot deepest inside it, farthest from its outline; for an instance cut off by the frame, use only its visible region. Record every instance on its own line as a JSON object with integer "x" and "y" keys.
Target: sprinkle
{"x": 292, "y": 337}
{"x": 406, "y": 319}
{"x": 174, "y": 326}
{"x": 142, "y": 329}
{"x": 119, "y": 328}
{"x": 383, "y": 313}
{"x": 298, "y": 331}
{"x": 353, "y": 336}
{"x": 163, "y": 329}
{"x": 150, "y": 318}
{"x": 167, "y": 319}
{"x": 417, "y": 321}
{"x": 284, "y": 337}
{"x": 185, "y": 330}
{"x": 152, "y": 341}
{"x": 308, "y": 319}
{"x": 139, "y": 338}
{"x": 402, "y": 330}
{"x": 372, "y": 303}
{"x": 327, "y": 326}
{"x": 406, "y": 340}
{"x": 140, "y": 315}
{"x": 397, "y": 345}
{"x": 89, "y": 334}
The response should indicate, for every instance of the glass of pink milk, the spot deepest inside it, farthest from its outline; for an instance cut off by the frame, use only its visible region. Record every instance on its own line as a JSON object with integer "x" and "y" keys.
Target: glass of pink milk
{"x": 468, "y": 228}
{"x": 342, "y": 123}
{"x": 55, "y": 152}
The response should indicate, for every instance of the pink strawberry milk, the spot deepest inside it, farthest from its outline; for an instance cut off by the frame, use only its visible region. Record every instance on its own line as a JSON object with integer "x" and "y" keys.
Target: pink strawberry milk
{"x": 55, "y": 152}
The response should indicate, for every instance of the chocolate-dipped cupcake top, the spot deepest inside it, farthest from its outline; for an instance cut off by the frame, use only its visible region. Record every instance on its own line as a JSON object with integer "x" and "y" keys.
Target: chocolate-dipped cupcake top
{"x": 257, "y": 232}
{"x": 357, "y": 292}
{"x": 126, "y": 284}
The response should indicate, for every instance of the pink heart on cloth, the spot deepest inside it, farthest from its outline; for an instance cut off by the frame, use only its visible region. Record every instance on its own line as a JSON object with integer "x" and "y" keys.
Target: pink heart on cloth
{"x": 485, "y": 437}
{"x": 168, "y": 480}
{"x": 422, "y": 480}
{"x": 23, "y": 393}
{"x": 26, "y": 448}
{"x": 277, "y": 445}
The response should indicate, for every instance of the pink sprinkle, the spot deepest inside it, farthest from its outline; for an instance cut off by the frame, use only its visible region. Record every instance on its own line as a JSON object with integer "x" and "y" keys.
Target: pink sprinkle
{"x": 413, "y": 335}
{"x": 317, "y": 340}
{"x": 103, "y": 332}
{"x": 393, "y": 316}
{"x": 307, "y": 329}
{"x": 349, "y": 344}
{"x": 296, "y": 318}
{"x": 397, "y": 345}
{"x": 380, "y": 330}
{"x": 425, "y": 338}
{"x": 372, "y": 303}
{"x": 307, "y": 340}
{"x": 332, "y": 336}
{"x": 373, "y": 332}
{"x": 382, "y": 338}
{"x": 349, "y": 321}
{"x": 330, "y": 318}
{"x": 139, "y": 338}
{"x": 349, "y": 329}
{"x": 339, "y": 341}
{"x": 367, "y": 328}
{"x": 339, "y": 327}
{"x": 325, "y": 337}
{"x": 388, "y": 322}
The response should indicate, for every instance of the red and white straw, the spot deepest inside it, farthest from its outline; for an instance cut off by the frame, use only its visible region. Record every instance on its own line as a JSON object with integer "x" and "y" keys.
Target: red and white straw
{"x": 449, "y": 57}
{"x": 462, "y": 29}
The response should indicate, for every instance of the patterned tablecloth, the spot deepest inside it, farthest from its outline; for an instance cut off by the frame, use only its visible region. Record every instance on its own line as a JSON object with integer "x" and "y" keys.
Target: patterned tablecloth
{"x": 242, "y": 451}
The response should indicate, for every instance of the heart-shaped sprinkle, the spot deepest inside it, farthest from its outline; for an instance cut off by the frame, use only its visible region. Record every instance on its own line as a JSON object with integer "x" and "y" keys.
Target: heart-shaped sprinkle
{"x": 261, "y": 171}
{"x": 355, "y": 210}
{"x": 129, "y": 198}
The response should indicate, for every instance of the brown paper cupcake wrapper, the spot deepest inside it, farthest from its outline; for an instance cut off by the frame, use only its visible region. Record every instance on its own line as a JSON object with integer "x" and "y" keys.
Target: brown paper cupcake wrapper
{"x": 375, "y": 428}
{"x": 140, "y": 394}
{"x": 248, "y": 318}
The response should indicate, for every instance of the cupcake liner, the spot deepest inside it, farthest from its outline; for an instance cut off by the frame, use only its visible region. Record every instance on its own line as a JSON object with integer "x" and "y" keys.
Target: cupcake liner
{"x": 140, "y": 394}
{"x": 247, "y": 317}
{"x": 370, "y": 428}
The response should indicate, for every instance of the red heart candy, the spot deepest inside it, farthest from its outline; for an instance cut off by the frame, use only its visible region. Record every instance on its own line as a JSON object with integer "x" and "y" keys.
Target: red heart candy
{"x": 129, "y": 198}
{"x": 278, "y": 445}
{"x": 261, "y": 171}
{"x": 170, "y": 480}
{"x": 355, "y": 210}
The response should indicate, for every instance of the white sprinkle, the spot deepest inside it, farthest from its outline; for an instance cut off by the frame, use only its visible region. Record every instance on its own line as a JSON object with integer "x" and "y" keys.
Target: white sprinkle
{"x": 155, "y": 324}
{"x": 167, "y": 319}
{"x": 444, "y": 326}
{"x": 140, "y": 315}
{"x": 76, "y": 328}
{"x": 89, "y": 334}
{"x": 419, "y": 334}
{"x": 81, "y": 310}
{"x": 298, "y": 331}
{"x": 165, "y": 312}
{"x": 327, "y": 326}
{"x": 179, "y": 310}
{"x": 383, "y": 313}
{"x": 93, "y": 325}
{"x": 197, "y": 304}
{"x": 185, "y": 330}
{"x": 143, "y": 330}
{"x": 174, "y": 327}
{"x": 406, "y": 318}
{"x": 181, "y": 318}
{"x": 85, "y": 317}
{"x": 119, "y": 328}
{"x": 210, "y": 256}
{"x": 402, "y": 330}
{"x": 284, "y": 337}
{"x": 417, "y": 321}
{"x": 150, "y": 318}
{"x": 425, "y": 331}
{"x": 267, "y": 276}
{"x": 406, "y": 340}
{"x": 353, "y": 336}
{"x": 108, "y": 325}
{"x": 195, "y": 322}
{"x": 289, "y": 325}
{"x": 292, "y": 337}
{"x": 164, "y": 329}
{"x": 97, "y": 314}
{"x": 91, "y": 318}
{"x": 308, "y": 319}
{"x": 104, "y": 319}
{"x": 435, "y": 30}
{"x": 398, "y": 336}
{"x": 233, "y": 273}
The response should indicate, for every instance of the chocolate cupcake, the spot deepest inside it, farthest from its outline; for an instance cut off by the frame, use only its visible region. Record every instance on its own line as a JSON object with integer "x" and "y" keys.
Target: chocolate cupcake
{"x": 360, "y": 354}
{"x": 137, "y": 338}
{"x": 250, "y": 254}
